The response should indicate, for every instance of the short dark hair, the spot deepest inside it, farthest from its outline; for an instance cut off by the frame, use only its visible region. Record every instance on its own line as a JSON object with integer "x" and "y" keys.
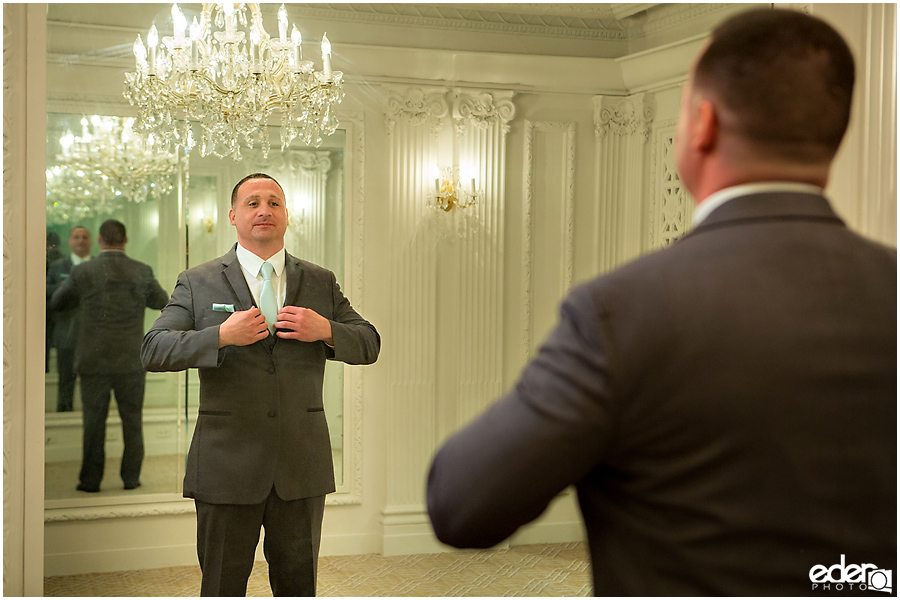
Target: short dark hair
{"x": 79, "y": 227}
{"x": 112, "y": 232}
{"x": 787, "y": 79}
{"x": 248, "y": 178}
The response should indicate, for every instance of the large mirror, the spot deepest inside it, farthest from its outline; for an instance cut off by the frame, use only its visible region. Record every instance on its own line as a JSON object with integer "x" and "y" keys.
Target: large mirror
{"x": 175, "y": 218}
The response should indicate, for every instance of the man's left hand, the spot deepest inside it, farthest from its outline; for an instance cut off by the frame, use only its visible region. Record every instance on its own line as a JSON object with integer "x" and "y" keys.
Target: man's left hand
{"x": 303, "y": 324}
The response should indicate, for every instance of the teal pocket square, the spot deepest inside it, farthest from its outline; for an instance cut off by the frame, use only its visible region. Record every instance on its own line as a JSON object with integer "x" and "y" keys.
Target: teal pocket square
{"x": 223, "y": 308}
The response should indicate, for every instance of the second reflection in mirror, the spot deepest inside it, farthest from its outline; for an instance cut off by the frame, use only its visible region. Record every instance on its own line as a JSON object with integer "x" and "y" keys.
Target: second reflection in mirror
{"x": 161, "y": 238}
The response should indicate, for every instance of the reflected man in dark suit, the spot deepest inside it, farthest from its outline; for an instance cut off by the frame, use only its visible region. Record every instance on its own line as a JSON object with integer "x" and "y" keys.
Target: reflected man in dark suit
{"x": 63, "y": 336}
{"x": 111, "y": 292}
{"x": 260, "y": 455}
{"x": 726, "y": 407}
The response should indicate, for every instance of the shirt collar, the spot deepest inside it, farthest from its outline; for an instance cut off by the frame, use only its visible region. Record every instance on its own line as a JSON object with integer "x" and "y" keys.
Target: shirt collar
{"x": 251, "y": 262}
{"x": 77, "y": 260}
{"x": 714, "y": 201}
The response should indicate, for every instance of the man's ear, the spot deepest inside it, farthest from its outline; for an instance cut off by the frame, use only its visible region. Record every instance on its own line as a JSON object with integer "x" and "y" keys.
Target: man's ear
{"x": 706, "y": 132}
{"x": 231, "y": 216}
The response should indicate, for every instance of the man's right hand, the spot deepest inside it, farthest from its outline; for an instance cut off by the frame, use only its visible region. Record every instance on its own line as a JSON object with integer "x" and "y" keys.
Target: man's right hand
{"x": 243, "y": 328}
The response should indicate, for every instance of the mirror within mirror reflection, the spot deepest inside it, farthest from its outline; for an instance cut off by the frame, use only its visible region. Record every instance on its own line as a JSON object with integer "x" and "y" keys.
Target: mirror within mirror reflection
{"x": 175, "y": 217}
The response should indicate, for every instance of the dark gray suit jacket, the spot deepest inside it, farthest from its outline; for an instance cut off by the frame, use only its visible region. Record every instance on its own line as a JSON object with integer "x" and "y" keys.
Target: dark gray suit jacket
{"x": 111, "y": 292}
{"x": 261, "y": 420}
{"x": 63, "y": 320}
{"x": 727, "y": 409}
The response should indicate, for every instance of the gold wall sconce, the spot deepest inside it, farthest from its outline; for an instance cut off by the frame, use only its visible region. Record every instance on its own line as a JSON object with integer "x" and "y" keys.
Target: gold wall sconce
{"x": 449, "y": 192}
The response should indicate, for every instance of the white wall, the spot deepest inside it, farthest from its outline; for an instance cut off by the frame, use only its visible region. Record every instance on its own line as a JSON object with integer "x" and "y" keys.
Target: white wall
{"x": 573, "y": 155}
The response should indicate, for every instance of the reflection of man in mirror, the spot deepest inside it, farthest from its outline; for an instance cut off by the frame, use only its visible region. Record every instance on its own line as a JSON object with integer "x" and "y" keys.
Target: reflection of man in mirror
{"x": 111, "y": 293}
{"x": 53, "y": 254}
{"x": 63, "y": 338}
{"x": 259, "y": 324}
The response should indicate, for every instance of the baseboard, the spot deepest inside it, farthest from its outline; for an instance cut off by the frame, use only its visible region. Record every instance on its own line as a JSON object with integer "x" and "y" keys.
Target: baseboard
{"x": 120, "y": 559}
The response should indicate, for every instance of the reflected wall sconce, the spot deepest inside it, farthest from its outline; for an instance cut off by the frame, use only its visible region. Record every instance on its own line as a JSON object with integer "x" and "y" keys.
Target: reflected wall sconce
{"x": 449, "y": 192}
{"x": 207, "y": 223}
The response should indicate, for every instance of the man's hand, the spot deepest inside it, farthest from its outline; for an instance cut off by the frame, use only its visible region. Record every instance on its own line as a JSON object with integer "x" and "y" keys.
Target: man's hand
{"x": 303, "y": 324}
{"x": 243, "y": 328}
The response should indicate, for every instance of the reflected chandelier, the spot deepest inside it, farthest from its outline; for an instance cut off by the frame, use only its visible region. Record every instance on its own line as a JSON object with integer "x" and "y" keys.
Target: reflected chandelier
{"x": 106, "y": 164}
{"x": 230, "y": 82}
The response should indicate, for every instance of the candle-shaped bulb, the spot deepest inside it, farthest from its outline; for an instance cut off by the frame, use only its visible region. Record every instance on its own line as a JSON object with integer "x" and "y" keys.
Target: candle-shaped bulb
{"x": 153, "y": 38}
{"x": 254, "y": 44}
{"x": 228, "y": 9}
{"x": 195, "y": 41}
{"x": 296, "y": 40}
{"x": 96, "y": 121}
{"x": 326, "y": 55}
{"x": 180, "y": 23}
{"x": 140, "y": 53}
{"x": 282, "y": 24}
{"x": 66, "y": 141}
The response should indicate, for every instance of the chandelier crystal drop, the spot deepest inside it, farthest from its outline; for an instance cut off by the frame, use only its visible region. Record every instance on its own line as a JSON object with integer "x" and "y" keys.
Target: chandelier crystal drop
{"x": 104, "y": 166}
{"x": 230, "y": 80}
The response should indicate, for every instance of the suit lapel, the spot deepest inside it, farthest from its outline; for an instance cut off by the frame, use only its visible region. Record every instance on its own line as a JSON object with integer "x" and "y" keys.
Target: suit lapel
{"x": 294, "y": 273}
{"x": 234, "y": 278}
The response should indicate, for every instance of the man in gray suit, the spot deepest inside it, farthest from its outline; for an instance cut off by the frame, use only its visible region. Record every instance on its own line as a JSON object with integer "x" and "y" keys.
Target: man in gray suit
{"x": 260, "y": 455}
{"x": 111, "y": 293}
{"x": 63, "y": 324}
{"x": 726, "y": 407}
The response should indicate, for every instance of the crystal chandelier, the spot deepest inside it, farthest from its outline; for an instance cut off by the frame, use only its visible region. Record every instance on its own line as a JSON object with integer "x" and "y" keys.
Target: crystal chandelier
{"x": 106, "y": 164}
{"x": 230, "y": 81}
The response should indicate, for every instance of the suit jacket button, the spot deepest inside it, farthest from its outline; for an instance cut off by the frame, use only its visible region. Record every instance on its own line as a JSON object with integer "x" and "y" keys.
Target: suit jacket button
{"x": 273, "y": 413}
{"x": 272, "y": 370}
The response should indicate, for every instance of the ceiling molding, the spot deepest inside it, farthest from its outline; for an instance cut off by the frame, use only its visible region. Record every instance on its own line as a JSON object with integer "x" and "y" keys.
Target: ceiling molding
{"x": 476, "y": 18}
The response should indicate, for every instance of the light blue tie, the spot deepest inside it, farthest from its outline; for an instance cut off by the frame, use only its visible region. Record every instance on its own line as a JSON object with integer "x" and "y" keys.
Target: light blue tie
{"x": 268, "y": 303}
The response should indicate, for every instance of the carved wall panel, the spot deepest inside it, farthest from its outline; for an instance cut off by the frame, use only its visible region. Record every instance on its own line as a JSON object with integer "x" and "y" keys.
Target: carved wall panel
{"x": 548, "y": 248}
{"x": 671, "y": 206}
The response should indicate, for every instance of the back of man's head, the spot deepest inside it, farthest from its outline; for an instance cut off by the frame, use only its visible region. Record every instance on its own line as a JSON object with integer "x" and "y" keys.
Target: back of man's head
{"x": 782, "y": 81}
{"x": 112, "y": 234}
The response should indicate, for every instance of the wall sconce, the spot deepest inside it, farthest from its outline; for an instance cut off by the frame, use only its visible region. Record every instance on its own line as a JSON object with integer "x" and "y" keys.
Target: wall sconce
{"x": 449, "y": 192}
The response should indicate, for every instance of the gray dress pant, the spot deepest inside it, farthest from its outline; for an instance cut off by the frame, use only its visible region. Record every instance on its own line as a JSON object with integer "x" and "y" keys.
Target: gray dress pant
{"x": 227, "y": 536}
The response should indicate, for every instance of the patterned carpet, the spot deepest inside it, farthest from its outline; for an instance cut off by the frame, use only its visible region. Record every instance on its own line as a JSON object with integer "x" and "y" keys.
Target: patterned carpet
{"x": 536, "y": 570}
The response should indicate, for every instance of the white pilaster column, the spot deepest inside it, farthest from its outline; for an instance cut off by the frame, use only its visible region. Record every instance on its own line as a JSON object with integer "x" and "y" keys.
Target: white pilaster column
{"x": 413, "y": 118}
{"x": 471, "y": 329}
{"x": 622, "y": 129}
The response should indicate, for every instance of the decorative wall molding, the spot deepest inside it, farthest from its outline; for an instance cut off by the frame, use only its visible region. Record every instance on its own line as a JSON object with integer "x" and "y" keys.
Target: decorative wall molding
{"x": 350, "y": 492}
{"x": 567, "y": 205}
{"x": 482, "y": 109}
{"x": 415, "y": 106}
{"x": 154, "y": 508}
{"x": 624, "y": 116}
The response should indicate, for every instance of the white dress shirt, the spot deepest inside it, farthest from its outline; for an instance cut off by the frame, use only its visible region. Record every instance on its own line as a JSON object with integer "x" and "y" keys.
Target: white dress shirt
{"x": 77, "y": 260}
{"x": 250, "y": 265}
{"x": 714, "y": 201}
